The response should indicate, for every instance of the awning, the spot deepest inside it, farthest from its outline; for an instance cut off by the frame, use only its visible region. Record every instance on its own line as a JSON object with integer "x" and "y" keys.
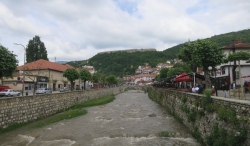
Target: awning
{"x": 184, "y": 79}
{"x": 181, "y": 75}
{"x": 246, "y": 76}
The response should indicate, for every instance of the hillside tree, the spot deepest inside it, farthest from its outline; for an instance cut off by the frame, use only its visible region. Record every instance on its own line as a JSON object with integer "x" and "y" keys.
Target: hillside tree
{"x": 36, "y": 50}
{"x": 8, "y": 63}
{"x": 85, "y": 75}
{"x": 71, "y": 74}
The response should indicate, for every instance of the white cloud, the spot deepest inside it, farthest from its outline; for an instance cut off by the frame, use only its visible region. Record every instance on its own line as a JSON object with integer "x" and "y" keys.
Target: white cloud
{"x": 79, "y": 29}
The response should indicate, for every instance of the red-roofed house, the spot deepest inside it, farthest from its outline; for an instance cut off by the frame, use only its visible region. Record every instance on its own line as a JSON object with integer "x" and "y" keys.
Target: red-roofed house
{"x": 45, "y": 73}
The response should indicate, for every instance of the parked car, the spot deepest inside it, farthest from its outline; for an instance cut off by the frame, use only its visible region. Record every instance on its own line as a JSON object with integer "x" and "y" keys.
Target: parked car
{"x": 64, "y": 89}
{"x": 43, "y": 90}
{"x": 9, "y": 92}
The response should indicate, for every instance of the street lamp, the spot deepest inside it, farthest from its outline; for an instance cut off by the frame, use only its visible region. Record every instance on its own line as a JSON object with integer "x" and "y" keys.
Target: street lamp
{"x": 23, "y": 65}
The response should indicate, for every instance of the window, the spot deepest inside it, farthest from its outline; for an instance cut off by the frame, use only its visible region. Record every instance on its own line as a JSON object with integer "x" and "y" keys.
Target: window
{"x": 223, "y": 70}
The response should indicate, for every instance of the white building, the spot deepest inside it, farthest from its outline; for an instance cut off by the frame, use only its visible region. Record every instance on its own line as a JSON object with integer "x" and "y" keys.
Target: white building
{"x": 231, "y": 69}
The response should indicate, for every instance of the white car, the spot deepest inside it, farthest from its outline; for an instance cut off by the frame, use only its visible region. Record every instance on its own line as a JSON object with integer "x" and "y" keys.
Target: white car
{"x": 64, "y": 89}
{"x": 43, "y": 90}
{"x": 9, "y": 92}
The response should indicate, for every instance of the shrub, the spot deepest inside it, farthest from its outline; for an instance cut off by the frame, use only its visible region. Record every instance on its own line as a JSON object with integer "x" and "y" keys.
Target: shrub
{"x": 221, "y": 137}
{"x": 164, "y": 134}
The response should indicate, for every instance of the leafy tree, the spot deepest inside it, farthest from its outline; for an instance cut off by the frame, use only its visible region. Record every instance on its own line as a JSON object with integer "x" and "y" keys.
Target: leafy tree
{"x": 36, "y": 50}
{"x": 111, "y": 79}
{"x": 179, "y": 68}
{"x": 103, "y": 79}
{"x": 71, "y": 74}
{"x": 157, "y": 78}
{"x": 164, "y": 73}
{"x": 8, "y": 63}
{"x": 204, "y": 54}
{"x": 85, "y": 75}
{"x": 175, "y": 71}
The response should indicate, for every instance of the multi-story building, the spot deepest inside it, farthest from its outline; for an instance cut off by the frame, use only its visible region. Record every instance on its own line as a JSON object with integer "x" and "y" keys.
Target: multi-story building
{"x": 231, "y": 69}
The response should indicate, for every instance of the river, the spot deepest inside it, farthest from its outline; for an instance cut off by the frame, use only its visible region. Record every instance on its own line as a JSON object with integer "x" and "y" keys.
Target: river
{"x": 132, "y": 119}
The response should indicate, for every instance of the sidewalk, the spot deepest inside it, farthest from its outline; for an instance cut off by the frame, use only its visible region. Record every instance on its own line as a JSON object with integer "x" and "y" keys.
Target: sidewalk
{"x": 222, "y": 94}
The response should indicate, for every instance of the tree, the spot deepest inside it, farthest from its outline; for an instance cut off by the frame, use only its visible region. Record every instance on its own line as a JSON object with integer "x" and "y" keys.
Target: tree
{"x": 175, "y": 71}
{"x": 179, "y": 68}
{"x": 238, "y": 56}
{"x": 111, "y": 79}
{"x": 204, "y": 54}
{"x": 185, "y": 55}
{"x": 71, "y": 74}
{"x": 8, "y": 63}
{"x": 164, "y": 73}
{"x": 36, "y": 50}
{"x": 85, "y": 75}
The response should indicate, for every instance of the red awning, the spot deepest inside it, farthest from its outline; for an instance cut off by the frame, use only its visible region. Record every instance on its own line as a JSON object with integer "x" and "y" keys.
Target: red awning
{"x": 183, "y": 79}
{"x": 246, "y": 76}
{"x": 181, "y": 75}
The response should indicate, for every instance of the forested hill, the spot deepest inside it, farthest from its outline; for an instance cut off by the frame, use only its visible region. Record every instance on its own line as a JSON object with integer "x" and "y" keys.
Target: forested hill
{"x": 123, "y": 63}
{"x": 221, "y": 40}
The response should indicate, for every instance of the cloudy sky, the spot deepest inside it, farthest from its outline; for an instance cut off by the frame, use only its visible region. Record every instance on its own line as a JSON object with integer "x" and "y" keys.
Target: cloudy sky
{"x": 79, "y": 29}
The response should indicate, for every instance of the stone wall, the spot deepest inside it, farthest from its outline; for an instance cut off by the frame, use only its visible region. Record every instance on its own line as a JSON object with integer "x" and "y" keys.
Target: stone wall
{"x": 14, "y": 110}
{"x": 221, "y": 121}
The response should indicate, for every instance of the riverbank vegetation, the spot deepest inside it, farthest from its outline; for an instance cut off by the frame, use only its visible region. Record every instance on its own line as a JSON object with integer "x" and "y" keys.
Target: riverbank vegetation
{"x": 71, "y": 112}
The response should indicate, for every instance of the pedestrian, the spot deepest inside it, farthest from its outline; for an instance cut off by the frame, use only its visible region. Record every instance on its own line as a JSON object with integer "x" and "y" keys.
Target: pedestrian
{"x": 194, "y": 89}
{"x": 225, "y": 89}
{"x": 246, "y": 86}
{"x": 200, "y": 91}
{"x": 233, "y": 85}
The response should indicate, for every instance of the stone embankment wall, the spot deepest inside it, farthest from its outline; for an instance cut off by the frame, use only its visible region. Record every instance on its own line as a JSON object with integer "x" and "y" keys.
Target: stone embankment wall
{"x": 211, "y": 120}
{"x": 16, "y": 110}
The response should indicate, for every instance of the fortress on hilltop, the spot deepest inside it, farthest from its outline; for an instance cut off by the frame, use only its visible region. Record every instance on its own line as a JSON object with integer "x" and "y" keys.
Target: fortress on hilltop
{"x": 130, "y": 50}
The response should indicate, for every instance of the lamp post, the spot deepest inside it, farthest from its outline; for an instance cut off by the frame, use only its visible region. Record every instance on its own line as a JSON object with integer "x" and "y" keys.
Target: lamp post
{"x": 23, "y": 65}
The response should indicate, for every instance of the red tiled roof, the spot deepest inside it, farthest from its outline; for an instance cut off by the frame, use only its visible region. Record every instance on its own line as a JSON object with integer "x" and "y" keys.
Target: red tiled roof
{"x": 237, "y": 44}
{"x": 144, "y": 75}
{"x": 44, "y": 64}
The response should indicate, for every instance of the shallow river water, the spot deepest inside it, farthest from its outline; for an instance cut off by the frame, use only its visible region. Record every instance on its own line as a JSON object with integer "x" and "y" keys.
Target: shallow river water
{"x": 132, "y": 119}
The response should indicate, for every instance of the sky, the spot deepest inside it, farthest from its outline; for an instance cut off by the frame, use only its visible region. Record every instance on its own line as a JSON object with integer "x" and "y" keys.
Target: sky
{"x": 78, "y": 29}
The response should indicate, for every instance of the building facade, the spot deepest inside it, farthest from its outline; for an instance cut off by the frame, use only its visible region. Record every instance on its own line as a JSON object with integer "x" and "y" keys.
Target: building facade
{"x": 39, "y": 74}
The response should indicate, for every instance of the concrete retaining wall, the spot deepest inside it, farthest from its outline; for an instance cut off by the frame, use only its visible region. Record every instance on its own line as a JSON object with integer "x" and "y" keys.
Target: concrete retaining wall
{"x": 14, "y": 110}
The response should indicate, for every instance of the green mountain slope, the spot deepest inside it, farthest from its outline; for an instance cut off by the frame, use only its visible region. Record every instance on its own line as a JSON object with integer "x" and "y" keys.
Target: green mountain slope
{"x": 123, "y": 63}
{"x": 221, "y": 40}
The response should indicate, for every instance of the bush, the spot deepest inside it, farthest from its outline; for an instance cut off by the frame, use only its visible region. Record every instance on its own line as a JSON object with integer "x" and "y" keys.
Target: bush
{"x": 221, "y": 137}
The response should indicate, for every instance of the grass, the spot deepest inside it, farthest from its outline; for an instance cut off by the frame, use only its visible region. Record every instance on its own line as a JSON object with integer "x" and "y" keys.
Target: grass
{"x": 71, "y": 112}
{"x": 164, "y": 134}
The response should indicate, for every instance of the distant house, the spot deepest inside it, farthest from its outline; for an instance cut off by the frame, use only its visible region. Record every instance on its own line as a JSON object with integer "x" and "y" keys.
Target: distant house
{"x": 128, "y": 79}
{"x": 47, "y": 74}
{"x": 144, "y": 78}
{"x": 91, "y": 69}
